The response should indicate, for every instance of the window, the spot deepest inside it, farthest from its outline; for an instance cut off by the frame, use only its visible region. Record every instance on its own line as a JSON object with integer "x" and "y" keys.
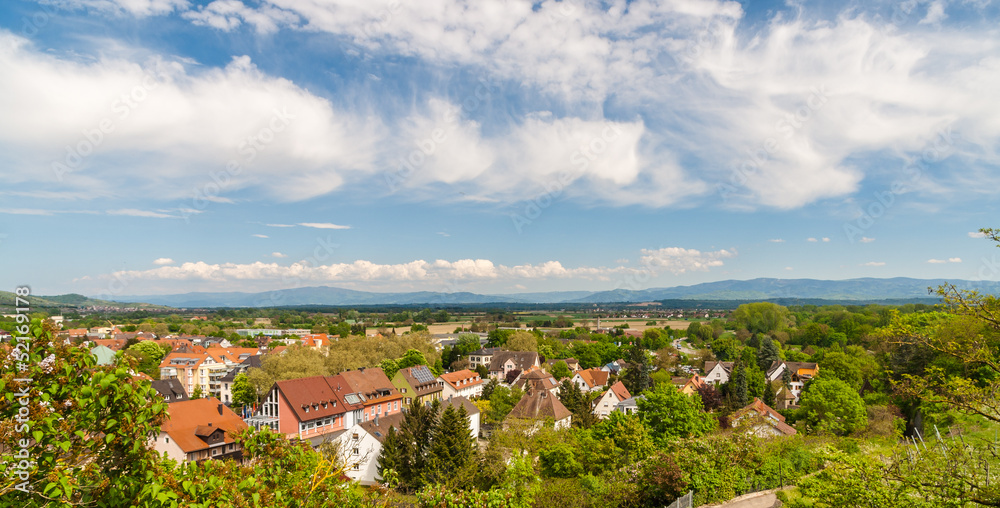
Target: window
{"x": 356, "y": 451}
{"x": 215, "y": 451}
{"x": 231, "y": 447}
{"x": 166, "y": 439}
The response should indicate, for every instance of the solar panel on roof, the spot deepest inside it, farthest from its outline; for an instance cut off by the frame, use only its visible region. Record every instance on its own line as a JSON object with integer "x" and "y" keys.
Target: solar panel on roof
{"x": 422, "y": 375}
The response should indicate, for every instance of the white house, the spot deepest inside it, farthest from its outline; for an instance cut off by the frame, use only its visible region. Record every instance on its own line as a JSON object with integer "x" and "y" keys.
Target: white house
{"x": 361, "y": 446}
{"x": 610, "y": 399}
{"x": 464, "y": 383}
{"x": 717, "y": 373}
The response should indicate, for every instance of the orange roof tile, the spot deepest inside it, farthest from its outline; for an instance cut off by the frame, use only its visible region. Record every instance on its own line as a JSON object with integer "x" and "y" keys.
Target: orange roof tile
{"x": 187, "y": 417}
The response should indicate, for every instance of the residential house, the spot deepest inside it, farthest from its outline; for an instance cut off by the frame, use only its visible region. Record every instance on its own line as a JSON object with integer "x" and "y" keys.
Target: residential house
{"x": 380, "y": 397}
{"x": 417, "y": 384}
{"x": 629, "y": 406}
{"x": 464, "y": 383}
{"x": 227, "y": 381}
{"x": 538, "y": 407}
{"x": 691, "y": 386}
{"x": 573, "y": 364}
{"x": 614, "y": 367}
{"x": 798, "y": 373}
{"x": 200, "y": 429}
{"x": 717, "y": 373}
{"x": 761, "y": 420}
{"x": 362, "y": 447}
{"x": 505, "y": 361}
{"x": 538, "y": 379}
{"x": 589, "y": 380}
{"x": 309, "y": 408}
{"x": 482, "y": 357}
{"x": 610, "y": 400}
{"x": 170, "y": 389}
{"x": 784, "y": 398}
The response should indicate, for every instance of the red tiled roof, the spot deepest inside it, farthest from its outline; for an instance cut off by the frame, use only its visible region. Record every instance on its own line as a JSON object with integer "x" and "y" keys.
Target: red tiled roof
{"x": 462, "y": 378}
{"x": 314, "y": 393}
{"x": 190, "y": 419}
{"x": 620, "y": 391}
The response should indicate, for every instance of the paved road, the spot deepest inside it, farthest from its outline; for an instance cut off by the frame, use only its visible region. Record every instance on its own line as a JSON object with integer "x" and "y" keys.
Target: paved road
{"x": 762, "y": 501}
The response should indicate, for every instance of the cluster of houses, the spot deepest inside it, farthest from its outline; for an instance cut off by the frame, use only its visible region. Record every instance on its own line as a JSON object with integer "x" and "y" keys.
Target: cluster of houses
{"x": 355, "y": 409}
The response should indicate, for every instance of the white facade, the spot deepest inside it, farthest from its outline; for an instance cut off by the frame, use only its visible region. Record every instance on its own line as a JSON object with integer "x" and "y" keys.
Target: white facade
{"x": 361, "y": 450}
{"x": 606, "y": 404}
{"x": 716, "y": 376}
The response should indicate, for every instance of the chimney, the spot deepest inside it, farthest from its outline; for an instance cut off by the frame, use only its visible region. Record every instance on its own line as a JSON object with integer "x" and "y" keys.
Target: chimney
{"x": 376, "y": 420}
{"x": 220, "y": 409}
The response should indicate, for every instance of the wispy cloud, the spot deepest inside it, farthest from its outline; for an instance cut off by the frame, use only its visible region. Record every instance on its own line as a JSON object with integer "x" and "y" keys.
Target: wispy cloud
{"x": 163, "y": 261}
{"x": 943, "y": 261}
{"x": 976, "y": 234}
{"x": 133, "y": 212}
{"x": 865, "y": 239}
{"x": 776, "y": 240}
{"x": 323, "y": 225}
{"x": 680, "y": 260}
{"x": 278, "y": 255}
{"x": 874, "y": 263}
{"x": 280, "y": 225}
{"x": 258, "y": 235}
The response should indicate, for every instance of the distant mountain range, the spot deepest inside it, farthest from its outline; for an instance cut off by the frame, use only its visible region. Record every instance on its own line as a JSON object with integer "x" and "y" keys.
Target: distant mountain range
{"x": 861, "y": 290}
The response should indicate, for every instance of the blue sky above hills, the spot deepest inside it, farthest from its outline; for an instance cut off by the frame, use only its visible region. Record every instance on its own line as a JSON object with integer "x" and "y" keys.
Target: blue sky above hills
{"x": 162, "y": 146}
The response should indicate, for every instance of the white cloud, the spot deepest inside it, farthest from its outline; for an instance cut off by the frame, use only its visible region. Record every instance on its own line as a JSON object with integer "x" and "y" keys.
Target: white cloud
{"x": 137, "y": 8}
{"x": 260, "y": 236}
{"x": 865, "y": 239}
{"x": 168, "y": 138}
{"x": 874, "y": 263}
{"x": 976, "y": 234}
{"x": 278, "y": 255}
{"x": 227, "y": 15}
{"x": 163, "y": 261}
{"x": 280, "y": 225}
{"x": 825, "y": 239}
{"x": 789, "y": 268}
{"x": 776, "y": 240}
{"x": 132, "y": 212}
{"x": 935, "y": 13}
{"x": 323, "y": 225}
{"x": 680, "y": 260}
{"x": 943, "y": 261}
{"x": 811, "y": 240}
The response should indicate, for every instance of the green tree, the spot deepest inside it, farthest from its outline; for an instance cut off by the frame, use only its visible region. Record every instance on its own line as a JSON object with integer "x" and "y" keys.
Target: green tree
{"x": 522, "y": 341}
{"x": 450, "y": 452}
{"x": 767, "y": 353}
{"x": 415, "y": 436}
{"x": 636, "y": 376}
{"x": 502, "y": 401}
{"x": 389, "y": 366}
{"x": 833, "y": 406}
{"x": 243, "y": 392}
{"x": 197, "y": 393}
{"x": 576, "y": 402}
{"x": 411, "y": 358}
{"x": 559, "y": 461}
{"x": 761, "y": 317}
{"x": 670, "y": 414}
{"x": 560, "y": 370}
{"x": 88, "y": 425}
{"x": 738, "y": 386}
{"x": 391, "y": 459}
{"x": 843, "y": 367}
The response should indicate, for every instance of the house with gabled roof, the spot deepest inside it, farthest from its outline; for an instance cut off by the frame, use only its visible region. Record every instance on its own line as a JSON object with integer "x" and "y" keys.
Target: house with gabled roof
{"x": 717, "y": 373}
{"x": 418, "y": 385}
{"x": 537, "y": 379}
{"x": 608, "y": 401}
{"x": 170, "y": 389}
{"x": 506, "y": 361}
{"x": 692, "y": 385}
{"x": 464, "y": 383}
{"x": 230, "y": 377}
{"x": 308, "y": 408}
{"x": 380, "y": 396}
{"x": 797, "y": 374}
{"x": 536, "y": 408}
{"x": 761, "y": 420}
{"x": 483, "y": 357}
{"x": 200, "y": 429}
{"x": 589, "y": 380}
{"x": 361, "y": 447}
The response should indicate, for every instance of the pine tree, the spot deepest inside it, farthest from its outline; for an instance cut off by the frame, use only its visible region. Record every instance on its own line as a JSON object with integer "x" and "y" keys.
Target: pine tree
{"x": 767, "y": 353}
{"x": 450, "y": 450}
{"x": 391, "y": 456}
{"x": 769, "y": 394}
{"x": 739, "y": 386}
{"x": 414, "y": 436}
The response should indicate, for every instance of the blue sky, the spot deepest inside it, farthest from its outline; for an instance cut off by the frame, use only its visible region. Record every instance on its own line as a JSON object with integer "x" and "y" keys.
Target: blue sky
{"x": 164, "y": 146}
